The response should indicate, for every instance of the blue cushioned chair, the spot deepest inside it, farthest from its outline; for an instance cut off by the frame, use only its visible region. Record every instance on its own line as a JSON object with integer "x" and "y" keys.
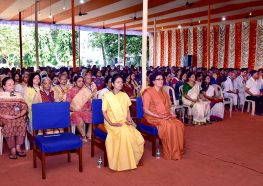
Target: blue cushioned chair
{"x": 50, "y": 116}
{"x": 149, "y": 132}
{"x": 98, "y": 136}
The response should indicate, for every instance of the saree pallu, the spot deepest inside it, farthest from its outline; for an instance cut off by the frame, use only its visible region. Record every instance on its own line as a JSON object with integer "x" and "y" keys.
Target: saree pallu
{"x": 125, "y": 144}
{"x": 129, "y": 90}
{"x": 170, "y": 131}
{"x": 217, "y": 109}
{"x": 201, "y": 109}
{"x": 80, "y": 105}
{"x": 61, "y": 92}
{"x": 12, "y": 106}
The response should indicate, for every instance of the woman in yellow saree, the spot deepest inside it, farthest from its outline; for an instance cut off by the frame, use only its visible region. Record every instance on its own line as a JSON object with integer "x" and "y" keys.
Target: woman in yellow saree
{"x": 124, "y": 144}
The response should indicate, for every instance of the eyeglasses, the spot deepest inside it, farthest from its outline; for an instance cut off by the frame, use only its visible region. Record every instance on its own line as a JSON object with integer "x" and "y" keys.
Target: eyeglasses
{"x": 160, "y": 79}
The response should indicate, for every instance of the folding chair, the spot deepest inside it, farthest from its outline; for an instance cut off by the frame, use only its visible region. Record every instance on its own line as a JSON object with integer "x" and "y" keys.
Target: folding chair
{"x": 175, "y": 105}
{"x": 149, "y": 132}
{"x": 51, "y": 116}
{"x": 98, "y": 136}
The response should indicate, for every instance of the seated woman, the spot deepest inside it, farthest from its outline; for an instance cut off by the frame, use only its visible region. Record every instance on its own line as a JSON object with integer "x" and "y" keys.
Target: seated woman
{"x": 13, "y": 110}
{"x": 99, "y": 80}
{"x": 45, "y": 94}
{"x": 216, "y": 101}
{"x": 61, "y": 89}
{"x": 106, "y": 89}
{"x": 156, "y": 106}
{"x": 29, "y": 94}
{"x": 199, "y": 109}
{"x": 124, "y": 144}
{"x": 80, "y": 105}
{"x": 135, "y": 84}
{"x": 130, "y": 91}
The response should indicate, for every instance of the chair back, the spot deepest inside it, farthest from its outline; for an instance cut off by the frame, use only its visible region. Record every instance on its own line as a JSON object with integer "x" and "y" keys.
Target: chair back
{"x": 181, "y": 90}
{"x": 139, "y": 108}
{"x": 170, "y": 91}
{"x": 50, "y": 115}
{"x": 97, "y": 116}
{"x": 218, "y": 90}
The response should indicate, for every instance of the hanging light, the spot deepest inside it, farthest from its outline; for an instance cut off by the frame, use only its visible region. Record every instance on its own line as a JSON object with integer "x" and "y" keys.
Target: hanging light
{"x": 199, "y": 21}
{"x": 81, "y": 1}
{"x": 250, "y": 13}
{"x": 223, "y": 18}
{"x": 179, "y": 26}
{"x": 50, "y": 15}
{"x": 64, "y": 7}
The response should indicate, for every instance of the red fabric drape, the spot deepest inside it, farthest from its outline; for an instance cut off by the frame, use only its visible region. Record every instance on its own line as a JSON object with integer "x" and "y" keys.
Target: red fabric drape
{"x": 162, "y": 49}
{"x": 194, "y": 47}
{"x": 226, "y": 46}
{"x": 204, "y": 60}
{"x": 238, "y": 34}
{"x": 185, "y": 41}
{"x": 252, "y": 44}
{"x": 216, "y": 42}
{"x": 169, "y": 48}
{"x": 177, "y": 47}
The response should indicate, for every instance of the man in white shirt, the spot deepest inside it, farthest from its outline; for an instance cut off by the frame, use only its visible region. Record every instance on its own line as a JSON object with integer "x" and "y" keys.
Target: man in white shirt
{"x": 253, "y": 91}
{"x": 239, "y": 85}
{"x": 229, "y": 90}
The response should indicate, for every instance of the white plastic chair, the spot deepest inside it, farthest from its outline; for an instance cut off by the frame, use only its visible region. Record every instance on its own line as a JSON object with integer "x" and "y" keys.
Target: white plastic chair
{"x": 185, "y": 106}
{"x": 226, "y": 101}
{"x": 1, "y": 141}
{"x": 253, "y": 106}
{"x": 175, "y": 104}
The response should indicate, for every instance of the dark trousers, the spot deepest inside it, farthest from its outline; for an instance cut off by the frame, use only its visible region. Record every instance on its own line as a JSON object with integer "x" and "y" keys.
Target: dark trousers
{"x": 259, "y": 103}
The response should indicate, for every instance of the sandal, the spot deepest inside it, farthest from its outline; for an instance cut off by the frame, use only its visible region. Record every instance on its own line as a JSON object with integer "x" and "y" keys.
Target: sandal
{"x": 12, "y": 156}
{"x": 21, "y": 153}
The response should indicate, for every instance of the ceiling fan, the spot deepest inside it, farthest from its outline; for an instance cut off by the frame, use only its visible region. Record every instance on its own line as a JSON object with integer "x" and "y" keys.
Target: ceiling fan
{"x": 134, "y": 17}
{"x": 81, "y": 13}
{"x": 187, "y": 4}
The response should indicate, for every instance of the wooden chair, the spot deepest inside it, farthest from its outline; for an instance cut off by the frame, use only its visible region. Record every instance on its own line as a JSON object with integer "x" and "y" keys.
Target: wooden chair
{"x": 51, "y": 116}
{"x": 98, "y": 136}
{"x": 149, "y": 132}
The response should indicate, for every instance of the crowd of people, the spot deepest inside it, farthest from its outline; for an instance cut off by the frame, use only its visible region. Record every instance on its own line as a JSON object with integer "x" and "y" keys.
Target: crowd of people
{"x": 202, "y": 91}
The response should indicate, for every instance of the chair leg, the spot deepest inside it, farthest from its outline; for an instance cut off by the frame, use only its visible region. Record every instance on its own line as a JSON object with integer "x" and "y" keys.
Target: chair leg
{"x": 69, "y": 157}
{"x": 253, "y": 107}
{"x": 248, "y": 106}
{"x": 34, "y": 159}
{"x": 153, "y": 146}
{"x": 43, "y": 161}
{"x": 80, "y": 160}
{"x": 105, "y": 158}
{"x": 92, "y": 142}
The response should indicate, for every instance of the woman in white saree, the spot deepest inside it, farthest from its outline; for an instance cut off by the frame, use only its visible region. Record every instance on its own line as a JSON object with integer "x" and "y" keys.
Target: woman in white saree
{"x": 200, "y": 110}
{"x": 216, "y": 101}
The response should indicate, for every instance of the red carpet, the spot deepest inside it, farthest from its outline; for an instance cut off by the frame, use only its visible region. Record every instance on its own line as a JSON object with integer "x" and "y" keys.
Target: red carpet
{"x": 225, "y": 153}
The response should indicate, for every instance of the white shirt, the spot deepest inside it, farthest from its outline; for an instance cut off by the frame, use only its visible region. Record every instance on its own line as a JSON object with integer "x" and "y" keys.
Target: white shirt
{"x": 101, "y": 93}
{"x": 253, "y": 86}
{"x": 228, "y": 85}
{"x": 239, "y": 84}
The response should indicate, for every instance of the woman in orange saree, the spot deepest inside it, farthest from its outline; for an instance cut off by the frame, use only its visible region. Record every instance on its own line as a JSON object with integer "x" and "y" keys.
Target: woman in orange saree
{"x": 156, "y": 106}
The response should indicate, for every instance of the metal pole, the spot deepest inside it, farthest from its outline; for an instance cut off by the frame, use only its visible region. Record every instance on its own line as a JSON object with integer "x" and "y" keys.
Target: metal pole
{"x": 79, "y": 48}
{"x": 154, "y": 44}
{"x": 144, "y": 42}
{"x": 124, "y": 45}
{"x": 36, "y": 35}
{"x": 208, "y": 37}
{"x": 20, "y": 41}
{"x": 73, "y": 35}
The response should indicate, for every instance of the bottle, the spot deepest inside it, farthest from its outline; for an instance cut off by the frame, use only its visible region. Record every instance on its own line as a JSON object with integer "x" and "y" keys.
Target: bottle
{"x": 100, "y": 162}
{"x": 158, "y": 153}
